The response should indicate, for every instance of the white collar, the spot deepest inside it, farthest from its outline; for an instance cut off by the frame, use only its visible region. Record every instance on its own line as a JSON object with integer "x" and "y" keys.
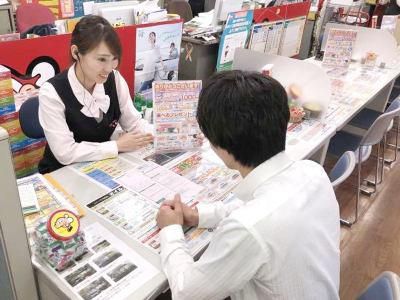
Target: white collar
{"x": 260, "y": 174}
{"x": 92, "y": 103}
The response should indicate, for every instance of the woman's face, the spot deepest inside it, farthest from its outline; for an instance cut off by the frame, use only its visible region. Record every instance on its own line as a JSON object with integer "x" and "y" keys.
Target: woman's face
{"x": 96, "y": 65}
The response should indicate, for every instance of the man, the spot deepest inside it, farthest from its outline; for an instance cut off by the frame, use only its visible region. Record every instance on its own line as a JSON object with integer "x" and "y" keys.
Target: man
{"x": 280, "y": 238}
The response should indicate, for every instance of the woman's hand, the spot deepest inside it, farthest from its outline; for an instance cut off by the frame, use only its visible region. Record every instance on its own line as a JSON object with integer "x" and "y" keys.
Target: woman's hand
{"x": 133, "y": 141}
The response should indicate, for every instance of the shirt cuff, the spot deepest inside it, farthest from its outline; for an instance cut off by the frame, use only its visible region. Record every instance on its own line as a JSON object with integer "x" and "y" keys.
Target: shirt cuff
{"x": 206, "y": 215}
{"x": 171, "y": 233}
{"x": 109, "y": 149}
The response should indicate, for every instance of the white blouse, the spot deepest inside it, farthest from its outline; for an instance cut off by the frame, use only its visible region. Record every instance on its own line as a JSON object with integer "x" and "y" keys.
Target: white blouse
{"x": 61, "y": 139}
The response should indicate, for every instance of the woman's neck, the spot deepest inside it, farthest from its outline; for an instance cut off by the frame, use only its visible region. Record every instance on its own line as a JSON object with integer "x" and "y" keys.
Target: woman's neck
{"x": 89, "y": 86}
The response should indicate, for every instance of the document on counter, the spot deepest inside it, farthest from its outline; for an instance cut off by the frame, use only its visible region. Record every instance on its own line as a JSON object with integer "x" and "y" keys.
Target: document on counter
{"x": 48, "y": 199}
{"x": 217, "y": 180}
{"x": 103, "y": 172}
{"x": 109, "y": 269}
{"x": 339, "y": 47}
{"x": 28, "y": 198}
{"x": 157, "y": 184}
{"x": 148, "y": 154}
{"x": 136, "y": 217}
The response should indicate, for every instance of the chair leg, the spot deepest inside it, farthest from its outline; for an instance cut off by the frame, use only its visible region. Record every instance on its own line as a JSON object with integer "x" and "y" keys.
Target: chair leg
{"x": 349, "y": 223}
{"x": 383, "y": 159}
{"x": 369, "y": 191}
{"x": 396, "y": 145}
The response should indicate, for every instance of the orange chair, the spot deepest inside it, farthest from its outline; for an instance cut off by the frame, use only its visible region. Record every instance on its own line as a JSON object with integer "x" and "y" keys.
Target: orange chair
{"x": 29, "y": 15}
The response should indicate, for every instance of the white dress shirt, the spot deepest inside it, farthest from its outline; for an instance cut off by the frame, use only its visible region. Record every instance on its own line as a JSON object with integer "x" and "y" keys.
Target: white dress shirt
{"x": 279, "y": 241}
{"x": 61, "y": 139}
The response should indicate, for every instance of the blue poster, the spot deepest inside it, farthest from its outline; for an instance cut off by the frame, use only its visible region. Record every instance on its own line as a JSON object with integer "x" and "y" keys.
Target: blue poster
{"x": 235, "y": 35}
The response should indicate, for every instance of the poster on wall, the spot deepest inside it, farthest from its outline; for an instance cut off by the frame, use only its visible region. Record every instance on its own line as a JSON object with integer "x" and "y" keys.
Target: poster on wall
{"x": 175, "y": 107}
{"x": 259, "y": 36}
{"x": 157, "y": 55}
{"x": 339, "y": 47}
{"x": 235, "y": 35}
{"x": 291, "y": 37}
{"x": 266, "y": 37}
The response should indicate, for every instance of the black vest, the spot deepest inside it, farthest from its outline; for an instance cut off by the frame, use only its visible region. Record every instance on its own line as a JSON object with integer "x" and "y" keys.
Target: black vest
{"x": 84, "y": 128}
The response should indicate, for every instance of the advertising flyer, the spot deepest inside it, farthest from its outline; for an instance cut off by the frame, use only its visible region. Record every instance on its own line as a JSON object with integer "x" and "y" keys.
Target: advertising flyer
{"x": 217, "y": 180}
{"x": 108, "y": 269}
{"x": 136, "y": 216}
{"x": 157, "y": 54}
{"x": 103, "y": 172}
{"x": 157, "y": 184}
{"x": 175, "y": 107}
{"x": 48, "y": 199}
{"x": 339, "y": 47}
{"x": 234, "y": 36}
{"x": 259, "y": 36}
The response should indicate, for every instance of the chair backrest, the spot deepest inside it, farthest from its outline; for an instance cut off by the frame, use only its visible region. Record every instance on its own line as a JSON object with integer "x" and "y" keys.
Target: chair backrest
{"x": 182, "y": 8}
{"x": 394, "y": 106}
{"x": 31, "y": 14}
{"x": 378, "y": 129}
{"x": 29, "y": 118}
{"x": 343, "y": 168}
{"x": 385, "y": 287}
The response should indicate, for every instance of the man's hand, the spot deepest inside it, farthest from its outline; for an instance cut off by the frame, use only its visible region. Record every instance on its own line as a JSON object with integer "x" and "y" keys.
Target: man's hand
{"x": 170, "y": 214}
{"x": 190, "y": 215}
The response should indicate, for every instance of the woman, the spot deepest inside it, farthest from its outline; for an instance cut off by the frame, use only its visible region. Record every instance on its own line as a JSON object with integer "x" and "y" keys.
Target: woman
{"x": 80, "y": 108}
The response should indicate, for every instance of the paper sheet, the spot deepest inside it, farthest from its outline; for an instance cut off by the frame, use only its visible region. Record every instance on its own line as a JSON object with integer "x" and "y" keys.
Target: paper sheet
{"x": 175, "y": 106}
{"x": 48, "y": 199}
{"x": 28, "y": 198}
{"x": 110, "y": 269}
{"x": 291, "y": 40}
{"x": 104, "y": 172}
{"x": 158, "y": 184}
{"x": 217, "y": 180}
{"x": 136, "y": 216}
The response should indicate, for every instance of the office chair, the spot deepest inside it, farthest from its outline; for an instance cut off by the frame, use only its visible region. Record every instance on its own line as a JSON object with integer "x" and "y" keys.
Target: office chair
{"x": 29, "y": 15}
{"x": 340, "y": 172}
{"x": 385, "y": 287}
{"x": 366, "y": 117}
{"x": 344, "y": 141}
{"x": 181, "y": 8}
{"x": 29, "y": 118}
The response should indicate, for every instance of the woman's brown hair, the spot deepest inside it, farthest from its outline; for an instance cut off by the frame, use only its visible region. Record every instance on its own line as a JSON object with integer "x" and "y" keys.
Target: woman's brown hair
{"x": 90, "y": 31}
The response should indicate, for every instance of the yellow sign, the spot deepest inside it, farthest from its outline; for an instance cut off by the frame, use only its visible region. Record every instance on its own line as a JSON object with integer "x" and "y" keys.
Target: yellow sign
{"x": 63, "y": 225}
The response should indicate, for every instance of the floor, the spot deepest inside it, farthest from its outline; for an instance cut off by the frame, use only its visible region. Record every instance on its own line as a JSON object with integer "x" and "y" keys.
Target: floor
{"x": 372, "y": 245}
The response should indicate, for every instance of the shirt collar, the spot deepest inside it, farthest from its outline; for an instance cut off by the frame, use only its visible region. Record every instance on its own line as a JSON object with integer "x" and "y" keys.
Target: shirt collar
{"x": 92, "y": 103}
{"x": 260, "y": 174}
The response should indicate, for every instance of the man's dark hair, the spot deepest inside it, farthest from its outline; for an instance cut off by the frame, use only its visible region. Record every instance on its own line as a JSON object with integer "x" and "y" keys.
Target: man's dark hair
{"x": 246, "y": 114}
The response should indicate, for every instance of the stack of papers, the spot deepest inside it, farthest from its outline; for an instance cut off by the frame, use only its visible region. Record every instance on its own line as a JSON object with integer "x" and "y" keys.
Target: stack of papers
{"x": 29, "y": 202}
